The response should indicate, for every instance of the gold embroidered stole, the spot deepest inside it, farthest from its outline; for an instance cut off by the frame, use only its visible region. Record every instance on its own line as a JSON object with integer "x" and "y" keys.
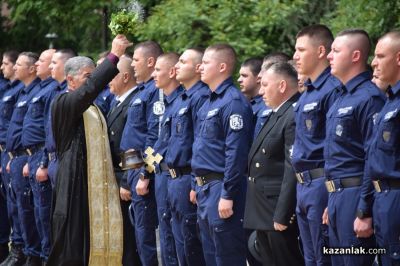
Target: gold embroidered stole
{"x": 105, "y": 216}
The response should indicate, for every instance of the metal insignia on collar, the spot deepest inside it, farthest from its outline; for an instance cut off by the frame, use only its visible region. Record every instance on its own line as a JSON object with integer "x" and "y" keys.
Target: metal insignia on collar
{"x": 309, "y": 124}
{"x": 339, "y": 130}
{"x": 158, "y": 108}
{"x": 386, "y": 136}
{"x": 236, "y": 122}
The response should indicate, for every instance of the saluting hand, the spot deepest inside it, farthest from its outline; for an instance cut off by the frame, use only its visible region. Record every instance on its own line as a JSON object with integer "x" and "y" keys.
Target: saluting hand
{"x": 25, "y": 170}
{"x": 363, "y": 227}
{"x": 119, "y": 45}
{"x": 142, "y": 187}
{"x": 225, "y": 208}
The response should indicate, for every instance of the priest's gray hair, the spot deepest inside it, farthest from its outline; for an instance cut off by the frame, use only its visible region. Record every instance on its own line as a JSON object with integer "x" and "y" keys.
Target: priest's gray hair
{"x": 73, "y": 65}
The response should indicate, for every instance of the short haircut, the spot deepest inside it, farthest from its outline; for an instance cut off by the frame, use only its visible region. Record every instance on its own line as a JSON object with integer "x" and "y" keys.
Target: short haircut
{"x": 363, "y": 42}
{"x": 320, "y": 34}
{"x": 66, "y": 53}
{"x": 227, "y": 52}
{"x": 32, "y": 57}
{"x": 286, "y": 70}
{"x": 200, "y": 52}
{"x": 276, "y": 57}
{"x": 394, "y": 35}
{"x": 172, "y": 58}
{"x": 73, "y": 65}
{"x": 150, "y": 48}
{"x": 11, "y": 55}
{"x": 254, "y": 64}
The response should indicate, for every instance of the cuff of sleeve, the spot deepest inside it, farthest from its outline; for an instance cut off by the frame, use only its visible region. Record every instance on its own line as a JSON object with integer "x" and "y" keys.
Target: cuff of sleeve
{"x": 113, "y": 58}
{"x": 193, "y": 183}
{"x": 226, "y": 194}
{"x": 364, "y": 207}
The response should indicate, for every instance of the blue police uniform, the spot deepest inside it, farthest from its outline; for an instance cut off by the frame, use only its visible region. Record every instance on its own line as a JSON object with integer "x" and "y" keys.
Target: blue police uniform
{"x": 33, "y": 139}
{"x": 104, "y": 100}
{"x": 349, "y": 125}
{"x": 50, "y": 145}
{"x": 219, "y": 163}
{"x": 167, "y": 243}
{"x": 308, "y": 162}
{"x": 184, "y": 125}
{"x": 261, "y": 113}
{"x": 19, "y": 157}
{"x": 10, "y": 93}
{"x": 140, "y": 132}
{"x": 383, "y": 165}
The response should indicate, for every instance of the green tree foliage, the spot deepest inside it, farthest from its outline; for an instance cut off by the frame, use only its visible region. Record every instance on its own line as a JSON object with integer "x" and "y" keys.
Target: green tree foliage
{"x": 253, "y": 27}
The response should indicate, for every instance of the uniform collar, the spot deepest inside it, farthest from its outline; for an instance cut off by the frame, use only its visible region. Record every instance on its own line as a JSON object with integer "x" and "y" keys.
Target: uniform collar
{"x": 317, "y": 84}
{"x": 28, "y": 88}
{"x": 256, "y": 99}
{"x": 199, "y": 84}
{"x": 352, "y": 84}
{"x": 63, "y": 86}
{"x": 395, "y": 89}
{"x": 46, "y": 82}
{"x": 170, "y": 98}
{"x": 15, "y": 83}
{"x": 223, "y": 86}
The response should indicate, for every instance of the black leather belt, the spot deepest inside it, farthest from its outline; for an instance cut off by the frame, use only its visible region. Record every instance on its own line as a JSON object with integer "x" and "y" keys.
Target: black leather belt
{"x": 312, "y": 174}
{"x": 18, "y": 153}
{"x": 52, "y": 156}
{"x": 2, "y": 147}
{"x": 338, "y": 184}
{"x": 177, "y": 172}
{"x": 202, "y": 180}
{"x": 35, "y": 148}
{"x": 386, "y": 184}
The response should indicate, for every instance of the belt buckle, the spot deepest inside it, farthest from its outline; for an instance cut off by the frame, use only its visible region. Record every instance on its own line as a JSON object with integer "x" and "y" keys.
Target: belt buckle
{"x": 29, "y": 152}
{"x": 330, "y": 186}
{"x": 299, "y": 177}
{"x": 377, "y": 185}
{"x": 200, "y": 181}
{"x": 172, "y": 172}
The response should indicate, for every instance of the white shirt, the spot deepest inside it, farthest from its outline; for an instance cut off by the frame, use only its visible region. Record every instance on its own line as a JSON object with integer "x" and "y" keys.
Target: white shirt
{"x": 123, "y": 97}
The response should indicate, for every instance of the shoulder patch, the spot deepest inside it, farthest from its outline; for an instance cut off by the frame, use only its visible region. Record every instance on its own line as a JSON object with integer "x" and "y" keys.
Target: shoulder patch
{"x": 236, "y": 122}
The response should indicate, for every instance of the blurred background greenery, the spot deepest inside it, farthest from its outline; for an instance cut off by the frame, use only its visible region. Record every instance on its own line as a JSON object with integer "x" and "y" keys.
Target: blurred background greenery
{"x": 253, "y": 27}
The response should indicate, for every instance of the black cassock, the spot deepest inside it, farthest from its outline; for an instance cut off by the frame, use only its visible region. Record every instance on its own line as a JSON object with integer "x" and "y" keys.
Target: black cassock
{"x": 70, "y": 211}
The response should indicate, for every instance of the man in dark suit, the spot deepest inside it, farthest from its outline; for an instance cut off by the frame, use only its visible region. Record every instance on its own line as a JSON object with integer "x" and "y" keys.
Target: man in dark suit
{"x": 271, "y": 191}
{"x": 123, "y": 86}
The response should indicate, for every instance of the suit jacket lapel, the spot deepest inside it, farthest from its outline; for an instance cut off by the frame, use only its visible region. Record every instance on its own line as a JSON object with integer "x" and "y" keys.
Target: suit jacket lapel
{"x": 270, "y": 124}
{"x": 112, "y": 116}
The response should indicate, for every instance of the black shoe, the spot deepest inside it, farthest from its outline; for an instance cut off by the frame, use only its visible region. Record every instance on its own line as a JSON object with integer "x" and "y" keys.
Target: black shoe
{"x": 16, "y": 257}
{"x": 33, "y": 261}
{"x": 4, "y": 251}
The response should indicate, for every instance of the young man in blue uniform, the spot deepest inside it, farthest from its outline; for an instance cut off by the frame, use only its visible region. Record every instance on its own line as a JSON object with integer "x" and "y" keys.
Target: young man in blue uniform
{"x": 249, "y": 83}
{"x": 141, "y": 132}
{"x": 312, "y": 47}
{"x": 33, "y": 139}
{"x": 57, "y": 73}
{"x": 384, "y": 153}
{"x": 25, "y": 71}
{"x": 219, "y": 160}
{"x": 165, "y": 78}
{"x": 349, "y": 126}
{"x": 8, "y": 100}
{"x": 181, "y": 185}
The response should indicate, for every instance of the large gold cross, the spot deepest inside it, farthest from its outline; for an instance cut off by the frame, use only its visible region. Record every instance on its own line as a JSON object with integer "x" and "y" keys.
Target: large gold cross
{"x": 151, "y": 159}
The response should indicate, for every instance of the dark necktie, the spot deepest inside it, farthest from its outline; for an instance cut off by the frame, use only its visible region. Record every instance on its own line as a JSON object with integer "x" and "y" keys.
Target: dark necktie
{"x": 114, "y": 106}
